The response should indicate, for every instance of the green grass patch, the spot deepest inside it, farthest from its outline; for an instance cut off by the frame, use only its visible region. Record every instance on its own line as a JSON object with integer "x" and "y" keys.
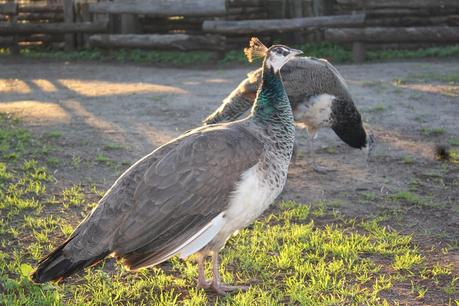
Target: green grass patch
{"x": 333, "y": 52}
{"x": 53, "y": 134}
{"x": 407, "y": 159}
{"x": 437, "y": 52}
{"x": 433, "y": 131}
{"x": 112, "y": 147}
{"x": 377, "y": 108}
{"x": 101, "y": 158}
{"x": 451, "y": 78}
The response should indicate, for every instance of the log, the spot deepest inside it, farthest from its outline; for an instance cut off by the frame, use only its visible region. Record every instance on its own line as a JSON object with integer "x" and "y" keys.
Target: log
{"x": 280, "y": 25}
{"x": 394, "y": 34}
{"x": 246, "y": 3}
{"x": 164, "y": 28}
{"x": 41, "y": 9}
{"x": 6, "y": 41}
{"x": 8, "y": 8}
{"x": 183, "y": 42}
{"x": 53, "y": 28}
{"x": 41, "y": 16}
{"x": 162, "y": 7}
{"x": 410, "y": 12}
{"x": 407, "y": 21}
{"x": 366, "y": 4}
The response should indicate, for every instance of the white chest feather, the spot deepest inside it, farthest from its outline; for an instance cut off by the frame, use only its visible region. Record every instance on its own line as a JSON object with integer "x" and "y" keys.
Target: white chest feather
{"x": 315, "y": 112}
{"x": 251, "y": 197}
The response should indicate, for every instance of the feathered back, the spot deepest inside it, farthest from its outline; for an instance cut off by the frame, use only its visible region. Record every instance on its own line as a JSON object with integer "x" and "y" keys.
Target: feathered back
{"x": 255, "y": 50}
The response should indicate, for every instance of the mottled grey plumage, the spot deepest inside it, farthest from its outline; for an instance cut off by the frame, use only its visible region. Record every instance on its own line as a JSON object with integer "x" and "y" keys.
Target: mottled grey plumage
{"x": 303, "y": 78}
{"x": 309, "y": 83}
{"x": 188, "y": 195}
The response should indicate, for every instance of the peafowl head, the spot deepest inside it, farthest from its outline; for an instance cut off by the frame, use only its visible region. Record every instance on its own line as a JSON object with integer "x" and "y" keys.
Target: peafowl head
{"x": 275, "y": 57}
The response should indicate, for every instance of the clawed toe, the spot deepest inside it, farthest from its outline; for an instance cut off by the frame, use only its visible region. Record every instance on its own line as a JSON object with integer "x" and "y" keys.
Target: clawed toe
{"x": 204, "y": 284}
{"x": 223, "y": 289}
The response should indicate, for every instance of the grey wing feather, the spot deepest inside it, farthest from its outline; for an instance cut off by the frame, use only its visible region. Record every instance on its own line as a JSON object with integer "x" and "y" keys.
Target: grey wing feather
{"x": 239, "y": 101}
{"x": 303, "y": 78}
{"x": 173, "y": 195}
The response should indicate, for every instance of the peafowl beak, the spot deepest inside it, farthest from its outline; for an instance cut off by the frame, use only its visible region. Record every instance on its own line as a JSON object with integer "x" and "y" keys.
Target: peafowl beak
{"x": 296, "y": 52}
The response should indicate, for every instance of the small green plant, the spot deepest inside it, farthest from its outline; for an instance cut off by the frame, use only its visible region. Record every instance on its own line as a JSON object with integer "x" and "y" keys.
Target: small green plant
{"x": 369, "y": 196}
{"x": 407, "y": 260}
{"x": 331, "y": 150}
{"x": 76, "y": 161}
{"x": 407, "y": 159}
{"x": 53, "y": 161}
{"x": 101, "y": 158}
{"x": 406, "y": 196}
{"x": 112, "y": 147}
{"x": 433, "y": 131}
{"x": 454, "y": 141}
{"x": 377, "y": 108}
{"x": 73, "y": 196}
{"x": 53, "y": 134}
{"x": 418, "y": 290}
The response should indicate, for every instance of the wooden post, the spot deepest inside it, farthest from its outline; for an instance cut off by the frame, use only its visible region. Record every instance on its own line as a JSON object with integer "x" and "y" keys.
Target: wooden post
{"x": 82, "y": 15}
{"x": 358, "y": 49}
{"x": 296, "y": 11}
{"x": 129, "y": 24}
{"x": 358, "y": 52}
{"x": 69, "y": 15}
{"x": 318, "y": 10}
{"x": 14, "y": 49}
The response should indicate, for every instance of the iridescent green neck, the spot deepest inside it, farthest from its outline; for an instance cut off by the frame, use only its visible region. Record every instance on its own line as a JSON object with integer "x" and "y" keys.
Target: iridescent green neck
{"x": 272, "y": 102}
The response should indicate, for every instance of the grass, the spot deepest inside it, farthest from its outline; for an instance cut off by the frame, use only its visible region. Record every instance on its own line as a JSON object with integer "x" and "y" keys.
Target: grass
{"x": 451, "y": 78}
{"x": 433, "y": 131}
{"x": 294, "y": 255}
{"x": 333, "y": 52}
{"x": 54, "y": 134}
{"x": 407, "y": 159}
{"x": 112, "y": 147}
{"x": 454, "y": 141}
{"x": 377, "y": 108}
{"x": 101, "y": 158}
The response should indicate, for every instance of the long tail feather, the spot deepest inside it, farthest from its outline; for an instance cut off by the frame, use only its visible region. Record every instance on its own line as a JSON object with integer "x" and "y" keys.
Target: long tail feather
{"x": 55, "y": 266}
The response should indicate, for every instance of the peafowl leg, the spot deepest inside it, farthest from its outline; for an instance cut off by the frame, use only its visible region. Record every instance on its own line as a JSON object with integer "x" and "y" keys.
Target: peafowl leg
{"x": 216, "y": 284}
{"x": 317, "y": 168}
{"x": 202, "y": 282}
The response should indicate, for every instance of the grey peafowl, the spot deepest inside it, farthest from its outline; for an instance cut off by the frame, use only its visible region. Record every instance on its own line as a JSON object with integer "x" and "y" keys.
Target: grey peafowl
{"x": 191, "y": 194}
{"x": 319, "y": 98}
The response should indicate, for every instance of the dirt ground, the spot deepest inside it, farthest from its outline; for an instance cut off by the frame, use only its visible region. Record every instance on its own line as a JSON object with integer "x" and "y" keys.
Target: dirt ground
{"x": 409, "y": 106}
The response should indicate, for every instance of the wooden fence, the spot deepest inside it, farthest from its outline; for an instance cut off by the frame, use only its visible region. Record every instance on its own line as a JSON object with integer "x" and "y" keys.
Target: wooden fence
{"x": 219, "y": 25}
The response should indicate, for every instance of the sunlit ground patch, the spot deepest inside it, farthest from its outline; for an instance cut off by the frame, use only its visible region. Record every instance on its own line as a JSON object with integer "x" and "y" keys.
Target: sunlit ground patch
{"x": 94, "y": 88}
{"x": 36, "y": 111}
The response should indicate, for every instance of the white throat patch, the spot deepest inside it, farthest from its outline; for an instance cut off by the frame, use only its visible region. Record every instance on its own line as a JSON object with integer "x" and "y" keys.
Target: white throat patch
{"x": 278, "y": 58}
{"x": 276, "y": 62}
